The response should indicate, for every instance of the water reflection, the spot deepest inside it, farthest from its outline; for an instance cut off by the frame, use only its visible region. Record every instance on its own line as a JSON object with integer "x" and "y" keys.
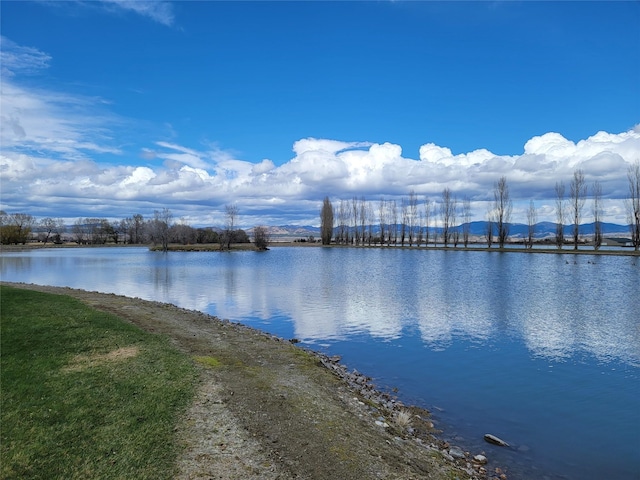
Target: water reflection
{"x": 557, "y": 307}
{"x": 544, "y": 349}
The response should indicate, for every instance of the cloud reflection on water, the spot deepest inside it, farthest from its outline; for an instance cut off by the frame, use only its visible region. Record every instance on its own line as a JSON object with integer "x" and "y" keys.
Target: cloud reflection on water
{"x": 558, "y": 310}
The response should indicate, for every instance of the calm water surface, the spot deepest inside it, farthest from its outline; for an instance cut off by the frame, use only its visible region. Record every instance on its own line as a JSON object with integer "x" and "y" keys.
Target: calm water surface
{"x": 540, "y": 350}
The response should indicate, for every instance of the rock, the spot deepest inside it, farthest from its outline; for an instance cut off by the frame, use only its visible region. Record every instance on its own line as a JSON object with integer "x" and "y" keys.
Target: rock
{"x": 382, "y": 424}
{"x": 456, "y": 452}
{"x": 481, "y": 459}
{"x": 495, "y": 440}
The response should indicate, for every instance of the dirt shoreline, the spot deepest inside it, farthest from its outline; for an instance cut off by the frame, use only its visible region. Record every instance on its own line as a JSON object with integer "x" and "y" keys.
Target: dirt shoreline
{"x": 266, "y": 409}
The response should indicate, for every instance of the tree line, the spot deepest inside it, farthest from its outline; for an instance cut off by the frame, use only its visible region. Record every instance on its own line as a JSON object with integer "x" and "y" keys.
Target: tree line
{"x": 412, "y": 221}
{"x": 160, "y": 229}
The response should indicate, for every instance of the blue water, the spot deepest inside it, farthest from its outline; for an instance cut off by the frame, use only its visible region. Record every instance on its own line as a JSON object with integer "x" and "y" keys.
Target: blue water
{"x": 540, "y": 350}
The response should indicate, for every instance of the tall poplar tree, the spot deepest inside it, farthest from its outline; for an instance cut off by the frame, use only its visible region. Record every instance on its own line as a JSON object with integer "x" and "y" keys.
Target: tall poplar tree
{"x": 560, "y": 211}
{"x": 502, "y": 206}
{"x": 597, "y": 214}
{"x": 447, "y": 214}
{"x": 326, "y": 221}
{"x": 577, "y": 194}
{"x": 633, "y": 203}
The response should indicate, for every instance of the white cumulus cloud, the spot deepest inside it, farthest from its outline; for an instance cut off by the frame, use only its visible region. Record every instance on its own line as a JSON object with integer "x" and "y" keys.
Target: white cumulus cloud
{"x": 190, "y": 180}
{"x": 60, "y": 157}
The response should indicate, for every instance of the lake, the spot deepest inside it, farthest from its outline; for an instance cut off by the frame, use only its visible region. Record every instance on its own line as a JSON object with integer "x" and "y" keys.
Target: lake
{"x": 542, "y": 350}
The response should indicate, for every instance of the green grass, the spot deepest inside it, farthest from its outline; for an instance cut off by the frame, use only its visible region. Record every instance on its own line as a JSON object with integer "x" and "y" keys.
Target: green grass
{"x": 211, "y": 362}
{"x": 69, "y": 409}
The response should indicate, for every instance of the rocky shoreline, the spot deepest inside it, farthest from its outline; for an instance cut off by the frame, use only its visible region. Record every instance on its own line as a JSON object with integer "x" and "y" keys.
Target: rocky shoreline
{"x": 405, "y": 422}
{"x": 409, "y": 421}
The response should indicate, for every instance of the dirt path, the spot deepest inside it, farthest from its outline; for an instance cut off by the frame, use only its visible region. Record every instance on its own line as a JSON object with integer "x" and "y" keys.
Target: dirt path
{"x": 266, "y": 409}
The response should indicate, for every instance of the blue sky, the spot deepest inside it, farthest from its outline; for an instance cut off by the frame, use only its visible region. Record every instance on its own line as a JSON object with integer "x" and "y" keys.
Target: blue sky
{"x": 111, "y": 108}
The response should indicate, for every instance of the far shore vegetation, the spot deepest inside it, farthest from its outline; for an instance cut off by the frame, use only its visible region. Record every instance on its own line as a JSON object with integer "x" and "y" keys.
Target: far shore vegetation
{"x": 410, "y": 221}
{"x": 84, "y": 394}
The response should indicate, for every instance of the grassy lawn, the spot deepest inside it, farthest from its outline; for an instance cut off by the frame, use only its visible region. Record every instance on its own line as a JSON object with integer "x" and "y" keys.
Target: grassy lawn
{"x": 84, "y": 394}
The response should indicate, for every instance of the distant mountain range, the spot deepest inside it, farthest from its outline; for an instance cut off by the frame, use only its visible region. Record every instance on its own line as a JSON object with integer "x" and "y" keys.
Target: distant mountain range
{"x": 516, "y": 230}
{"x": 547, "y": 229}
{"x": 294, "y": 231}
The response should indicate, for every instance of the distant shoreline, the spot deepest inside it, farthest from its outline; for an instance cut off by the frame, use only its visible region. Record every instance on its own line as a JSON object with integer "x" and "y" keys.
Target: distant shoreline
{"x": 624, "y": 251}
{"x": 214, "y": 247}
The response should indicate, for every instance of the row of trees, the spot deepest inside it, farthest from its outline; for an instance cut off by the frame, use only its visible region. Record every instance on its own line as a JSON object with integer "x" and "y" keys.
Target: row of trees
{"x": 352, "y": 221}
{"x": 409, "y": 222}
{"x": 159, "y": 230}
{"x": 359, "y": 222}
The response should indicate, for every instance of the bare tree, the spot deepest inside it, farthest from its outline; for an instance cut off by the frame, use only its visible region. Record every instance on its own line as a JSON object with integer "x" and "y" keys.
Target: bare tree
{"x": 362, "y": 207}
{"x": 343, "y": 222}
{"x": 466, "y": 219}
{"x": 113, "y": 229}
{"x": 560, "y": 213}
{"x": 596, "y": 194}
{"x": 160, "y": 226}
{"x": 532, "y": 219}
{"x": 231, "y": 215}
{"x": 382, "y": 218}
{"x": 577, "y": 195}
{"x": 133, "y": 228}
{"x": 326, "y": 221}
{"x": 393, "y": 232}
{"x": 488, "y": 232}
{"x": 94, "y": 230}
{"x": 455, "y": 229}
{"x": 261, "y": 238}
{"x": 371, "y": 217}
{"x": 404, "y": 215}
{"x": 502, "y": 206}
{"x": 51, "y": 226}
{"x": 101, "y": 230}
{"x": 420, "y": 236}
{"x": 446, "y": 214}
{"x": 136, "y": 234}
{"x": 5, "y": 228}
{"x": 413, "y": 216}
{"x": 183, "y": 233}
{"x": 355, "y": 218}
{"x": 25, "y": 223}
{"x": 427, "y": 219}
{"x": 633, "y": 203}
{"x": 80, "y": 231}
